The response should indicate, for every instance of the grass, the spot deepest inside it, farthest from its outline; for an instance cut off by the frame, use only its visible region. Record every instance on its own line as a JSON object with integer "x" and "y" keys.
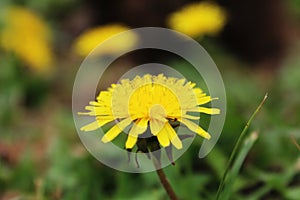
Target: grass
{"x": 239, "y": 160}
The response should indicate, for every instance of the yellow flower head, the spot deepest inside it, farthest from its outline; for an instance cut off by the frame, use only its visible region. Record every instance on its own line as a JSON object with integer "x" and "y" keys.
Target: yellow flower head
{"x": 149, "y": 101}
{"x": 91, "y": 38}
{"x": 198, "y": 19}
{"x": 26, "y": 34}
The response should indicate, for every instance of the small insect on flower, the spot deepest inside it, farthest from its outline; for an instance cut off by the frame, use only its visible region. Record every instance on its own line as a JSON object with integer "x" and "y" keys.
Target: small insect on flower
{"x": 149, "y": 104}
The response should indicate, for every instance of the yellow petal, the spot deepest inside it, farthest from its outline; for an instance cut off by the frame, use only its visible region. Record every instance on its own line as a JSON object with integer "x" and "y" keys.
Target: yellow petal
{"x": 191, "y": 84}
{"x": 100, "y": 110}
{"x": 138, "y": 128}
{"x": 195, "y": 128}
{"x": 96, "y": 111}
{"x": 94, "y": 125}
{"x": 90, "y": 127}
{"x": 156, "y": 126}
{"x": 105, "y": 96}
{"x": 181, "y": 82}
{"x": 116, "y": 130}
{"x": 105, "y": 117}
{"x": 163, "y": 138}
{"x": 143, "y": 122}
{"x": 204, "y": 100}
{"x": 211, "y": 111}
{"x": 197, "y": 91}
{"x": 191, "y": 117}
{"x": 130, "y": 142}
{"x": 173, "y": 136}
{"x": 95, "y": 103}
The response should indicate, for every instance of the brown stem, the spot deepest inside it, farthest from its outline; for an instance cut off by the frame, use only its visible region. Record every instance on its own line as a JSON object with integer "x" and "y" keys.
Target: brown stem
{"x": 295, "y": 142}
{"x": 164, "y": 181}
{"x": 162, "y": 177}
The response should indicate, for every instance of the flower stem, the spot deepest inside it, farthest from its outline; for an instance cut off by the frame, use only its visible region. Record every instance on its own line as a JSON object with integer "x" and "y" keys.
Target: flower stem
{"x": 237, "y": 145}
{"x": 164, "y": 180}
{"x": 295, "y": 142}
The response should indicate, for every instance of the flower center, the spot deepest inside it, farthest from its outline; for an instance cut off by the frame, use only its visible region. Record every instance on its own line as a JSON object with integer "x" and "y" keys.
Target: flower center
{"x": 152, "y": 101}
{"x": 157, "y": 111}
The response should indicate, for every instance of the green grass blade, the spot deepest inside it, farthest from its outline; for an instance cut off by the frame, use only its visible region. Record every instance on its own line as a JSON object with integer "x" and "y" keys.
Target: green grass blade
{"x": 233, "y": 173}
{"x": 237, "y": 145}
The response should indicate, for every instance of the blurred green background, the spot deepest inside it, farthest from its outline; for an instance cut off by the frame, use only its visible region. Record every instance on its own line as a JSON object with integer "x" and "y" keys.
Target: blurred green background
{"x": 41, "y": 156}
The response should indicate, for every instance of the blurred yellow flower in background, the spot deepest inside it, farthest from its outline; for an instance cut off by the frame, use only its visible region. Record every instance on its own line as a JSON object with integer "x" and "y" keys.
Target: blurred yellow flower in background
{"x": 198, "y": 19}
{"x": 26, "y": 35}
{"x": 91, "y": 38}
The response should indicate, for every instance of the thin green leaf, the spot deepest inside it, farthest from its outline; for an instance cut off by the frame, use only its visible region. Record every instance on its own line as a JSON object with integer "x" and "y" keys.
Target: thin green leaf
{"x": 233, "y": 173}
{"x": 237, "y": 145}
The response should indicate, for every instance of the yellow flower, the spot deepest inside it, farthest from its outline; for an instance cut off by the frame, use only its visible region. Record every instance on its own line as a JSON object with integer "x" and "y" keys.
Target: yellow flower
{"x": 26, "y": 34}
{"x": 198, "y": 19}
{"x": 91, "y": 38}
{"x": 149, "y": 101}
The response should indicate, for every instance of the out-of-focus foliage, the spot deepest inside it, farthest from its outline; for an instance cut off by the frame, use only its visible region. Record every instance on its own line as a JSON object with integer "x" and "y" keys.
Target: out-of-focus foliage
{"x": 295, "y": 6}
